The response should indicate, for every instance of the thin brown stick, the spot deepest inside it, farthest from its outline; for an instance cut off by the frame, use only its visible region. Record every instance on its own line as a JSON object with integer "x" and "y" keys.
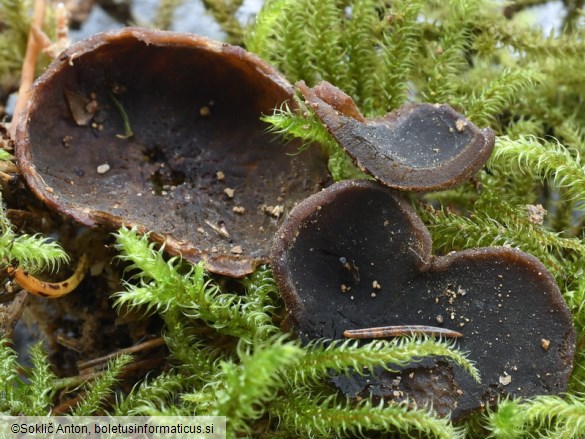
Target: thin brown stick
{"x": 400, "y": 330}
{"x": 66, "y": 406}
{"x": 33, "y": 47}
{"x": 8, "y": 167}
{"x": 10, "y": 314}
{"x": 150, "y": 344}
{"x": 5, "y": 178}
{"x": 78, "y": 380}
{"x": 147, "y": 364}
{"x": 75, "y": 381}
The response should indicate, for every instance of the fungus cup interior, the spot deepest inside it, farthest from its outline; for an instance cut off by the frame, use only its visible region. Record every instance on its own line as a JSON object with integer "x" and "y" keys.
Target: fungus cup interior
{"x": 356, "y": 255}
{"x": 418, "y": 147}
{"x": 199, "y": 169}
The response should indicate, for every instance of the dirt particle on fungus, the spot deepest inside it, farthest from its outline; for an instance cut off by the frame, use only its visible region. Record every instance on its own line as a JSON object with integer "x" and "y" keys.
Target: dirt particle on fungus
{"x": 118, "y": 89}
{"x": 239, "y": 210}
{"x": 373, "y": 294}
{"x": 200, "y": 230}
{"x": 81, "y": 107}
{"x": 66, "y": 141}
{"x": 219, "y": 229}
{"x": 219, "y": 175}
{"x": 545, "y": 344}
{"x": 102, "y": 169}
{"x": 92, "y": 106}
{"x": 344, "y": 288}
{"x": 376, "y": 285}
{"x": 236, "y": 250}
{"x": 229, "y": 192}
{"x": 205, "y": 111}
{"x": 439, "y": 319}
{"x": 505, "y": 379}
{"x": 275, "y": 211}
{"x": 351, "y": 268}
{"x": 460, "y": 124}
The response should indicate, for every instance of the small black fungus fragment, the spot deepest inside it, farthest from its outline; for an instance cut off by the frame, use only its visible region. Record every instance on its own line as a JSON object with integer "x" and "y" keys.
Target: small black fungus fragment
{"x": 418, "y": 147}
{"x": 503, "y": 301}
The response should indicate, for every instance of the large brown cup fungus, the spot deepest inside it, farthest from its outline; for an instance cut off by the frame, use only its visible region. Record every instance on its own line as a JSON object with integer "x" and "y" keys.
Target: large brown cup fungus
{"x": 356, "y": 255}
{"x": 161, "y": 131}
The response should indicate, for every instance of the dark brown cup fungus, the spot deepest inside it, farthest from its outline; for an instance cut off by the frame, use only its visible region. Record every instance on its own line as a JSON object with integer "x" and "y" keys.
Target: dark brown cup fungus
{"x": 418, "y": 147}
{"x": 161, "y": 131}
{"x": 356, "y": 255}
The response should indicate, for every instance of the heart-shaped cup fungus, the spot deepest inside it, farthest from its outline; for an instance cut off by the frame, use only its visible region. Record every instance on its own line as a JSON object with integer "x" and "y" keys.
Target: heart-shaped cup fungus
{"x": 418, "y": 147}
{"x": 161, "y": 130}
{"x": 356, "y": 255}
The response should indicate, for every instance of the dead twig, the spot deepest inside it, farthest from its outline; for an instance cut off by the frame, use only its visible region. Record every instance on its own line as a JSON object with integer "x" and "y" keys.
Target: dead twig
{"x": 33, "y": 48}
{"x": 150, "y": 344}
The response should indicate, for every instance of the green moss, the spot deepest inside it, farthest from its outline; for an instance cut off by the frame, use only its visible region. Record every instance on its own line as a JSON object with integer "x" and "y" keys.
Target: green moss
{"x": 32, "y": 253}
